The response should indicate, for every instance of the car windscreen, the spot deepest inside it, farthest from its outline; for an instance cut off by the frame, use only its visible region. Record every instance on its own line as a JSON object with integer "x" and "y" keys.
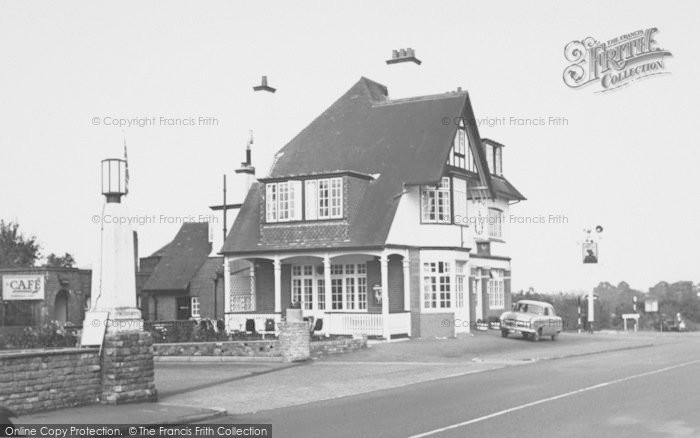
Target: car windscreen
{"x": 530, "y": 308}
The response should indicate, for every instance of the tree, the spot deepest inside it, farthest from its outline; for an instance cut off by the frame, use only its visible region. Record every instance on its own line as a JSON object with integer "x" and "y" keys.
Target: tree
{"x": 16, "y": 250}
{"x": 65, "y": 261}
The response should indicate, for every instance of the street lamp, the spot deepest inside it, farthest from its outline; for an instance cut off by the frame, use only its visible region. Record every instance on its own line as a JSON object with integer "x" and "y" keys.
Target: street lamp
{"x": 114, "y": 179}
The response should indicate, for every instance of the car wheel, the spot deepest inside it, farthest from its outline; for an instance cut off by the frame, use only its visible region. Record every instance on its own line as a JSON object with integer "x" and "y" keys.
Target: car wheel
{"x": 504, "y": 333}
{"x": 536, "y": 336}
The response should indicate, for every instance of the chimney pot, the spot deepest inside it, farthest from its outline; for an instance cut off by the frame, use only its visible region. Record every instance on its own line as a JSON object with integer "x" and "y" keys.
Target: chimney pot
{"x": 403, "y": 53}
{"x": 264, "y": 80}
{"x": 394, "y": 54}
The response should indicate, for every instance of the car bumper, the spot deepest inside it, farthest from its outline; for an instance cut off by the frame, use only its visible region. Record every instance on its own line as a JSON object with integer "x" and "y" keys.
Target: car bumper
{"x": 519, "y": 330}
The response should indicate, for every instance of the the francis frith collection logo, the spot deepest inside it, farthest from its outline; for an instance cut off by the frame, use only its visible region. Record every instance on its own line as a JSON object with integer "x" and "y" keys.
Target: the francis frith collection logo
{"x": 614, "y": 63}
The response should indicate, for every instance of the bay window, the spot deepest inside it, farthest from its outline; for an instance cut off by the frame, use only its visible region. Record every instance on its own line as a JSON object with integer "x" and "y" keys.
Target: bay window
{"x": 437, "y": 290}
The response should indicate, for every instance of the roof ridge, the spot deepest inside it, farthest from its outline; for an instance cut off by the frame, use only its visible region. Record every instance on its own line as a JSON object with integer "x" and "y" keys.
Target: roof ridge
{"x": 423, "y": 98}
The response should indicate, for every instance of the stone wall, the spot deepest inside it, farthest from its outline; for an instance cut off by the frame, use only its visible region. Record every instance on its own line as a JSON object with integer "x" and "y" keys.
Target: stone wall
{"x": 337, "y": 346}
{"x": 39, "y": 380}
{"x": 127, "y": 368}
{"x": 229, "y": 348}
{"x": 269, "y": 348}
{"x": 294, "y": 341}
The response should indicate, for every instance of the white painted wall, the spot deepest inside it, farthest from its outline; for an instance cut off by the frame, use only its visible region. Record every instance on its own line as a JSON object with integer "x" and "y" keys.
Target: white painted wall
{"x": 407, "y": 228}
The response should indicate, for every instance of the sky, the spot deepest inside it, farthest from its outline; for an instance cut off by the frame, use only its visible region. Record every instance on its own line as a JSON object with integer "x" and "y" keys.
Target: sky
{"x": 626, "y": 160}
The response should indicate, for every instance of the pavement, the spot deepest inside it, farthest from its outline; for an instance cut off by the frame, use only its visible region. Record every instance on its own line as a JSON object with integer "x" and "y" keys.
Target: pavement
{"x": 201, "y": 391}
{"x": 133, "y": 413}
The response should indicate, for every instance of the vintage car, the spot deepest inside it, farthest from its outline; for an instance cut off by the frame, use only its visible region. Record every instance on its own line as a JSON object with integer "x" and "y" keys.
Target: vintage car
{"x": 532, "y": 319}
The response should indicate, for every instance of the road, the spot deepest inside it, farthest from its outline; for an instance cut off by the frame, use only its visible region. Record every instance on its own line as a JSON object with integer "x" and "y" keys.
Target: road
{"x": 633, "y": 393}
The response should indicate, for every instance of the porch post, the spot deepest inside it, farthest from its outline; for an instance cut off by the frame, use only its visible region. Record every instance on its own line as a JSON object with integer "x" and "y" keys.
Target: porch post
{"x": 384, "y": 263}
{"x": 227, "y": 286}
{"x": 406, "y": 284}
{"x": 278, "y": 284}
{"x": 327, "y": 292}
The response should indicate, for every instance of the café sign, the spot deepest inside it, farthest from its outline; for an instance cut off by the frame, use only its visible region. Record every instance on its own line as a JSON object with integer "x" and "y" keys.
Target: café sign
{"x": 22, "y": 287}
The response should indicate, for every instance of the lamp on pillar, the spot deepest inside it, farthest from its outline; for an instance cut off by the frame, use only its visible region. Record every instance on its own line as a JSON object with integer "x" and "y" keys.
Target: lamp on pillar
{"x": 113, "y": 279}
{"x": 114, "y": 179}
{"x": 127, "y": 361}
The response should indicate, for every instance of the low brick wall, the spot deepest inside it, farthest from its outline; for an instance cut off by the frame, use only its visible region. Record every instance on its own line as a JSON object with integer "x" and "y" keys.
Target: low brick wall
{"x": 269, "y": 348}
{"x": 227, "y": 348}
{"x": 337, "y": 346}
{"x": 39, "y": 380}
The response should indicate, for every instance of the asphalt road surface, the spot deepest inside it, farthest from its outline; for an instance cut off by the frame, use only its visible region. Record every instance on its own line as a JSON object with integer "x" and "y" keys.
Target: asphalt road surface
{"x": 646, "y": 392}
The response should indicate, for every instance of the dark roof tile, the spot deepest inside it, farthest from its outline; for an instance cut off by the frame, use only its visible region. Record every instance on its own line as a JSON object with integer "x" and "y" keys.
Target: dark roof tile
{"x": 181, "y": 259}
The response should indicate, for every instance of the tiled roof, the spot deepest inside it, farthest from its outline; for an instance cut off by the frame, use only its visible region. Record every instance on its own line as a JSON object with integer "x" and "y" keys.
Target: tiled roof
{"x": 181, "y": 259}
{"x": 405, "y": 141}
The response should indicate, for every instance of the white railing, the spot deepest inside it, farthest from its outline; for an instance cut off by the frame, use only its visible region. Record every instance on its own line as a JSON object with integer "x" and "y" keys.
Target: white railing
{"x": 337, "y": 323}
{"x": 369, "y": 324}
{"x": 236, "y": 321}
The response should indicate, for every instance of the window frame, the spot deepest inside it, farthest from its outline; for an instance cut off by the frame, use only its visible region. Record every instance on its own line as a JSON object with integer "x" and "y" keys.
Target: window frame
{"x": 284, "y": 201}
{"x": 195, "y": 308}
{"x": 437, "y": 197}
{"x": 324, "y": 198}
{"x": 495, "y": 225}
{"x": 435, "y": 274}
{"x": 495, "y": 288}
{"x": 339, "y": 287}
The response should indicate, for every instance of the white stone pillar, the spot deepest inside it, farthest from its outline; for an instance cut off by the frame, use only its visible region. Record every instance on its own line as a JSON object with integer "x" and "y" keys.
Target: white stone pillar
{"x": 327, "y": 292}
{"x": 384, "y": 265}
{"x": 278, "y": 284}
{"x": 114, "y": 277}
{"x": 406, "y": 284}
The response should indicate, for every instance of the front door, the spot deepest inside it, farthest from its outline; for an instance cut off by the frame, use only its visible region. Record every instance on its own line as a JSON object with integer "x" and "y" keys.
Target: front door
{"x": 183, "y": 308}
{"x": 461, "y": 303}
{"x": 479, "y": 307}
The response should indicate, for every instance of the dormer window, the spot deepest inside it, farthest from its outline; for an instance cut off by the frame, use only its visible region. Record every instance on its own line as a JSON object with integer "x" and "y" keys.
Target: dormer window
{"x": 494, "y": 156}
{"x": 324, "y": 198}
{"x": 283, "y": 201}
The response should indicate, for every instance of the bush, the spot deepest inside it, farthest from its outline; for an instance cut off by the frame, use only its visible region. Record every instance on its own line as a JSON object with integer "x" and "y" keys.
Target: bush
{"x": 187, "y": 331}
{"x": 45, "y": 336}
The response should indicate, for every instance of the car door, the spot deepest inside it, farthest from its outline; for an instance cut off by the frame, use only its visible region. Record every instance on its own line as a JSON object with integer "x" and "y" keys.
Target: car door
{"x": 548, "y": 329}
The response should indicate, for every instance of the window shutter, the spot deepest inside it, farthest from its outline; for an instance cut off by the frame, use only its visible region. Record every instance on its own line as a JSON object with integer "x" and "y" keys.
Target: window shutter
{"x": 271, "y": 202}
{"x": 460, "y": 201}
{"x": 311, "y": 200}
{"x": 295, "y": 198}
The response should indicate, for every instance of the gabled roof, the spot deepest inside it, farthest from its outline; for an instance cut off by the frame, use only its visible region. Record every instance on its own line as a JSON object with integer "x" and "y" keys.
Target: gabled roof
{"x": 180, "y": 259}
{"x": 404, "y": 141}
